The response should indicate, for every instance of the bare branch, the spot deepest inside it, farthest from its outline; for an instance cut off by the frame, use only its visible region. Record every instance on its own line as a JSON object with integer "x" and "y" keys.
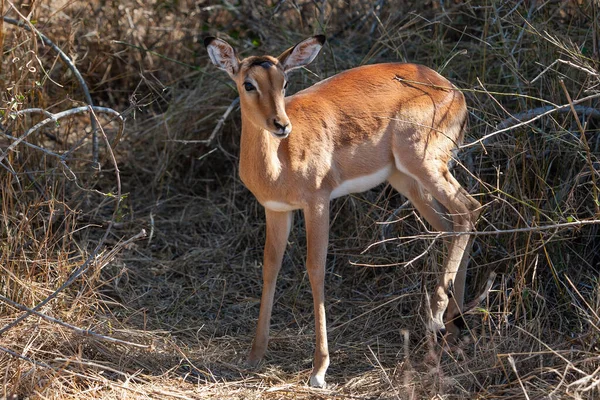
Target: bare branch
{"x": 22, "y": 357}
{"x": 81, "y": 331}
{"x": 221, "y": 121}
{"x": 73, "y": 68}
{"x": 441, "y": 235}
{"x": 515, "y": 119}
{"x": 75, "y": 274}
{"x": 586, "y": 111}
{"x": 54, "y": 118}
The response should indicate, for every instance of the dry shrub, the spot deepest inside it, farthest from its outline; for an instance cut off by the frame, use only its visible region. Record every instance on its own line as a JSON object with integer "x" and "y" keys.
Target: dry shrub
{"x": 190, "y": 289}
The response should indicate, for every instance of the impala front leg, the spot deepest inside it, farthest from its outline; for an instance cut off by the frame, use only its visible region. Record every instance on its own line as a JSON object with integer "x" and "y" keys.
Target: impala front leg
{"x": 278, "y": 230}
{"x": 317, "y": 238}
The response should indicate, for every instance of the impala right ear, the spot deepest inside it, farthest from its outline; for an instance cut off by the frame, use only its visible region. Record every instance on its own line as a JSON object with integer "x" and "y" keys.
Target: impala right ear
{"x": 301, "y": 54}
{"x": 222, "y": 55}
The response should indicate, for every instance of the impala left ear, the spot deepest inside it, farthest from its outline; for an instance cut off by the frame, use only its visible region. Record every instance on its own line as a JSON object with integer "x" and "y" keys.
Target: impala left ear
{"x": 301, "y": 54}
{"x": 222, "y": 55}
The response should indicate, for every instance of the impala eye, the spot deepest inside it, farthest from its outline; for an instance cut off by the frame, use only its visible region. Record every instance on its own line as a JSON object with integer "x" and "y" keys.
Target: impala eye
{"x": 249, "y": 87}
{"x": 286, "y": 85}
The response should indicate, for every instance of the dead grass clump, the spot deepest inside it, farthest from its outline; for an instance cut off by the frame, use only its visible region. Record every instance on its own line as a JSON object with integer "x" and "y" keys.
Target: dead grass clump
{"x": 171, "y": 314}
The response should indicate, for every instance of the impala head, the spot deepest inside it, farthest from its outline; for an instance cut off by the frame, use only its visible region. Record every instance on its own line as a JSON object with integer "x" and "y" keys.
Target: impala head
{"x": 261, "y": 81}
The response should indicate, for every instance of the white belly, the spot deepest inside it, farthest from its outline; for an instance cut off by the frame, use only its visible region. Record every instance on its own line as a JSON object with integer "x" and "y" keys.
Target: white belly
{"x": 279, "y": 206}
{"x": 362, "y": 183}
{"x": 356, "y": 185}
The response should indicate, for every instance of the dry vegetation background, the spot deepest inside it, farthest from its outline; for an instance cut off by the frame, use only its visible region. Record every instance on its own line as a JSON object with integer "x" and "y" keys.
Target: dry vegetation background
{"x": 169, "y": 312}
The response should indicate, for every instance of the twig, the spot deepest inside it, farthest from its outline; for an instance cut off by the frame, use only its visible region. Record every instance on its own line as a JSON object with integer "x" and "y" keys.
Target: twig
{"x": 385, "y": 374}
{"x": 590, "y": 308}
{"x": 9, "y": 168}
{"x": 444, "y": 234}
{"x": 538, "y": 116}
{"x": 74, "y": 275}
{"x": 33, "y": 111}
{"x": 511, "y": 361}
{"x": 403, "y": 264}
{"x": 22, "y": 357}
{"x": 586, "y": 111}
{"x": 439, "y": 235}
{"x": 395, "y": 298}
{"x": 593, "y": 377}
{"x": 84, "y": 267}
{"x": 33, "y": 146}
{"x": 473, "y": 303}
{"x": 569, "y": 63}
{"x": 585, "y": 144}
{"x": 86, "y": 332}
{"x": 73, "y": 68}
{"x": 55, "y": 117}
{"x": 221, "y": 121}
{"x": 386, "y": 226}
{"x": 72, "y": 177}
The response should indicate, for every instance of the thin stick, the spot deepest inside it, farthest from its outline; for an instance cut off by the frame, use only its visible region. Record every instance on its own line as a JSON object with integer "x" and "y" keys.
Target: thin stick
{"x": 439, "y": 235}
{"x": 33, "y": 146}
{"x": 84, "y": 267}
{"x": 221, "y": 121}
{"x": 511, "y": 361}
{"x": 86, "y": 332}
{"x": 22, "y": 357}
{"x": 217, "y": 128}
{"x": 570, "y": 64}
{"x": 585, "y": 144}
{"x": 587, "y": 111}
{"x": 73, "y": 68}
{"x": 403, "y": 264}
{"x": 55, "y": 117}
{"x": 74, "y": 275}
{"x": 585, "y": 380}
{"x": 551, "y": 110}
{"x": 385, "y": 374}
{"x": 473, "y": 303}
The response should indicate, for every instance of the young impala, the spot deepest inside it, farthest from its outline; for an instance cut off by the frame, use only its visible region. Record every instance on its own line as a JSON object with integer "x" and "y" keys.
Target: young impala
{"x": 387, "y": 122}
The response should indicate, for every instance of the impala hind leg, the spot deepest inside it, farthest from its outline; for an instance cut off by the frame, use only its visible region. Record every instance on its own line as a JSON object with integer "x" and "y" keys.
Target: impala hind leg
{"x": 437, "y": 215}
{"x": 456, "y": 302}
{"x": 463, "y": 210}
{"x": 428, "y": 207}
{"x": 278, "y": 230}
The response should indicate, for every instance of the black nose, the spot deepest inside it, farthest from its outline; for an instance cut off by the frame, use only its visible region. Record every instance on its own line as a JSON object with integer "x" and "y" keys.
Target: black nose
{"x": 279, "y": 126}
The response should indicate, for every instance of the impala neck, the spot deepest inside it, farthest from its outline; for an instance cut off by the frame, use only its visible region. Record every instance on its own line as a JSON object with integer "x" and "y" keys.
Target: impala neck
{"x": 260, "y": 153}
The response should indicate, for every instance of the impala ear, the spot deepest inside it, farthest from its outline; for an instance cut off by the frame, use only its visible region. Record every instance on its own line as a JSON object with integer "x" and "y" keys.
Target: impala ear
{"x": 222, "y": 55}
{"x": 301, "y": 54}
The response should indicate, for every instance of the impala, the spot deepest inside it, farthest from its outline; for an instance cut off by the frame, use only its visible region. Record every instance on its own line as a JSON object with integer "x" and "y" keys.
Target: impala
{"x": 395, "y": 122}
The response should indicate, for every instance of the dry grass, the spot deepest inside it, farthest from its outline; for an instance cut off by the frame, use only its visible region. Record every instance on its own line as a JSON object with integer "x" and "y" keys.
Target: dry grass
{"x": 187, "y": 293}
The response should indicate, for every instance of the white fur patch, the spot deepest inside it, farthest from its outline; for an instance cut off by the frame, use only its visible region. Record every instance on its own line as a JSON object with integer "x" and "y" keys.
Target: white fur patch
{"x": 279, "y": 206}
{"x": 317, "y": 381}
{"x": 362, "y": 183}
